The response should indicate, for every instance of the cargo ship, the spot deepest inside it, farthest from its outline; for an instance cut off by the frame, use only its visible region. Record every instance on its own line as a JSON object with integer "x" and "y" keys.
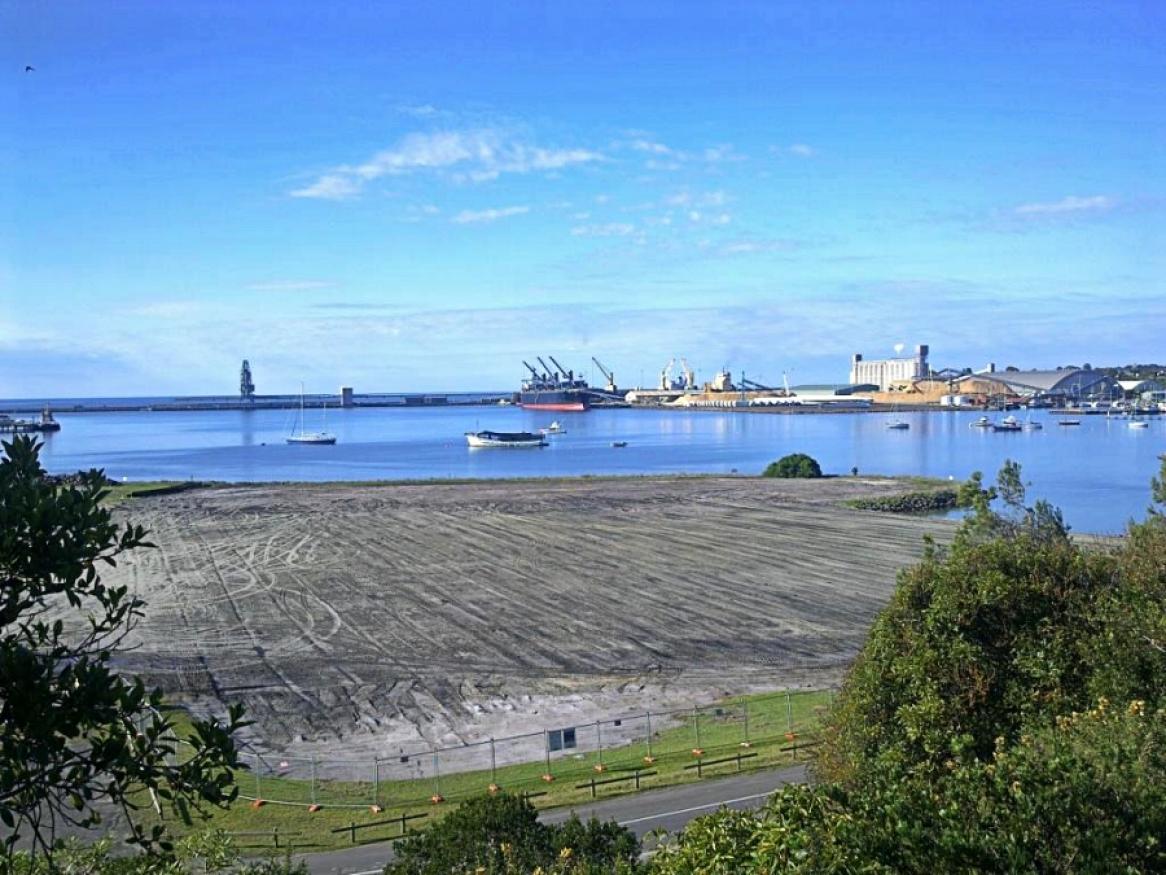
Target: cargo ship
{"x": 554, "y": 389}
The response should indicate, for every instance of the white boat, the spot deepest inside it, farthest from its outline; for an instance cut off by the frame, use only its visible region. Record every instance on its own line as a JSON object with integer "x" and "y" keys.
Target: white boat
{"x": 1008, "y": 423}
{"x": 982, "y": 422}
{"x": 898, "y": 425}
{"x": 504, "y": 439}
{"x": 310, "y": 437}
{"x": 1138, "y": 423}
{"x": 554, "y": 428}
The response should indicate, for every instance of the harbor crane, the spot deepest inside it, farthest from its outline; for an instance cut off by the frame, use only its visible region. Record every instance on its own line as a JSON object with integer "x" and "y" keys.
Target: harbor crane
{"x": 569, "y": 375}
{"x": 246, "y": 385}
{"x": 607, "y": 375}
{"x": 548, "y": 371}
{"x": 666, "y": 375}
{"x": 533, "y": 372}
{"x": 689, "y": 376}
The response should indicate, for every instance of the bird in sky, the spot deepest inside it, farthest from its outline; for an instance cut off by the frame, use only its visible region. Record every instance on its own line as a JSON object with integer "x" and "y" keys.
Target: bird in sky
{"x": 29, "y": 68}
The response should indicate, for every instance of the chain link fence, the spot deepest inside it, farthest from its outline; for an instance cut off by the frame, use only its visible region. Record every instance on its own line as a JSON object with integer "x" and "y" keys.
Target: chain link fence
{"x": 530, "y": 761}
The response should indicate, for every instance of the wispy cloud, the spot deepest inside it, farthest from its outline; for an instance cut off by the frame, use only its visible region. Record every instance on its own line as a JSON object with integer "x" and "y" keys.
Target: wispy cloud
{"x": 467, "y": 217}
{"x": 652, "y": 147}
{"x": 472, "y": 155}
{"x": 330, "y": 187}
{"x": 1068, "y": 206}
{"x": 758, "y": 246}
{"x": 801, "y": 150}
{"x": 722, "y": 153}
{"x": 290, "y": 286}
{"x": 610, "y": 229}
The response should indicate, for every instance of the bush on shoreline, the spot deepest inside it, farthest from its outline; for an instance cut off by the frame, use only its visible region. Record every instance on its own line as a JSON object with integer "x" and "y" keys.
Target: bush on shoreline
{"x": 795, "y": 465}
{"x": 910, "y": 502}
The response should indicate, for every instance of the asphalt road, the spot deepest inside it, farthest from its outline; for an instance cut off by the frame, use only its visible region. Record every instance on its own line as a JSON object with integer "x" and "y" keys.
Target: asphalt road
{"x": 669, "y": 808}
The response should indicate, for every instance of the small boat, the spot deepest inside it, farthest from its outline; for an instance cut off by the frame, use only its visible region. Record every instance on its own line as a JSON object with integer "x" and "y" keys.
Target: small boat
{"x": 1008, "y": 423}
{"x": 310, "y": 437}
{"x": 554, "y": 428}
{"x": 1033, "y": 426}
{"x": 1068, "y": 422}
{"x": 898, "y": 425}
{"x": 504, "y": 439}
{"x": 1138, "y": 423}
{"x": 618, "y": 444}
{"x": 982, "y": 422}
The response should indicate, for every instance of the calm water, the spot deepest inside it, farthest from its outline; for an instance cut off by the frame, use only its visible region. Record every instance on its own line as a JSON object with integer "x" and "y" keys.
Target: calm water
{"x": 1098, "y": 473}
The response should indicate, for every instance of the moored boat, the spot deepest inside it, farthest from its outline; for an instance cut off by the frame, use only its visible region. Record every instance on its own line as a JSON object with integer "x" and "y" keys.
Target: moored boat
{"x": 1008, "y": 423}
{"x": 504, "y": 439}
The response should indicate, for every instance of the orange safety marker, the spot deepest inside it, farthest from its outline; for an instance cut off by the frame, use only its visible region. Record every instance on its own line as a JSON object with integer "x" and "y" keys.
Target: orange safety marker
{"x": 257, "y": 804}
{"x": 698, "y": 751}
{"x": 548, "y": 778}
{"x": 313, "y": 808}
{"x": 436, "y": 799}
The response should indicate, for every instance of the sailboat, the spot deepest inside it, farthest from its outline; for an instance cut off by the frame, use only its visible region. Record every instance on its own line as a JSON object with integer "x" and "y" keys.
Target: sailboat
{"x": 898, "y": 423}
{"x": 309, "y": 437}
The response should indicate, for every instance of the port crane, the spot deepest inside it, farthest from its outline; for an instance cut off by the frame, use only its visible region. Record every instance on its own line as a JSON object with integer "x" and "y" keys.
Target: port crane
{"x": 567, "y": 375}
{"x": 548, "y": 371}
{"x": 607, "y": 375}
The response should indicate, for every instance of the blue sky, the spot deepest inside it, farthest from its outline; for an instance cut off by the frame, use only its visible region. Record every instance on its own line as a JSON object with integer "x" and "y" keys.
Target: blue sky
{"x": 419, "y": 196}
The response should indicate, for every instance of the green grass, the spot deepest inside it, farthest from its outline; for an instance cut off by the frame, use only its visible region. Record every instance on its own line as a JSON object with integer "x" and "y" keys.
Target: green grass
{"x": 120, "y": 493}
{"x": 346, "y": 802}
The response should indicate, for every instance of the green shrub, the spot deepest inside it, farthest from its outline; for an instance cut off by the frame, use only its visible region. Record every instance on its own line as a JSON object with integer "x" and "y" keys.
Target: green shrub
{"x": 1006, "y": 715}
{"x": 793, "y": 465}
{"x": 910, "y": 502}
{"x": 502, "y": 834}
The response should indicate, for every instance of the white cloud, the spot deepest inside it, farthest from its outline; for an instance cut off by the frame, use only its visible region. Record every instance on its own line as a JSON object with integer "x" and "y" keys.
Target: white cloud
{"x": 466, "y": 217}
{"x": 1068, "y": 206}
{"x": 649, "y": 146}
{"x": 721, "y": 153}
{"x": 330, "y": 187}
{"x": 757, "y": 246}
{"x": 474, "y": 155}
{"x": 801, "y": 150}
{"x": 611, "y": 229}
{"x": 290, "y": 286}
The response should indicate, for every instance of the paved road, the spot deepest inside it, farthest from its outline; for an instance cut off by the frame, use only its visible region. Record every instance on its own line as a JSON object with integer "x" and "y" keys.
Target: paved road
{"x": 670, "y": 808}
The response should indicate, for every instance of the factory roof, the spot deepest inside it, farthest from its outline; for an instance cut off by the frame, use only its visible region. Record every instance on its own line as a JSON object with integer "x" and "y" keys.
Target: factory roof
{"x": 1051, "y": 382}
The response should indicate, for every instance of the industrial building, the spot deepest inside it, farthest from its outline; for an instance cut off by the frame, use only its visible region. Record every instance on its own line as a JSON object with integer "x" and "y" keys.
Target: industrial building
{"x": 1070, "y": 385}
{"x": 884, "y": 372}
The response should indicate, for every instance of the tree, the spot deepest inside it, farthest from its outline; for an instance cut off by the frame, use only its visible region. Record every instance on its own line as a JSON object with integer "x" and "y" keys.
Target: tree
{"x": 502, "y": 834}
{"x": 76, "y": 734}
{"x": 793, "y": 465}
{"x": 1007, "y": 714}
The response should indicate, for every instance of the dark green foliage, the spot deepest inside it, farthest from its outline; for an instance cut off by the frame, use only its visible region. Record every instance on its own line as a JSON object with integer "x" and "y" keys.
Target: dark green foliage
{"x": 76, "y": 734}
{"x": 910, "y": 502}
{"x": 502, "y": 834}
{"x": 1006, "y": 715}
{"x": 793, "y": 465}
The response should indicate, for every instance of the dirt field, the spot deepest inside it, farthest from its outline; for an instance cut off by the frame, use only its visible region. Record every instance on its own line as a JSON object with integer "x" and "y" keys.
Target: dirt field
{"x": 357, "y": 619}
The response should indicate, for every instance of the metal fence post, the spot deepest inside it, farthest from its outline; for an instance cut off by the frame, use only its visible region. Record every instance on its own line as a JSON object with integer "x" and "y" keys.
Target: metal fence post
{"x": 746, "y": 721}
{"x": 599, "y": 740}
{"x": 436, "y": 773}
{"x": 493, "y": 762}
{"x": 789, "y": 713}
{"x": 648, "y": 717}
{"x": 547, "y": 748}
{"x": 313, "y": 779}
{"x": 696, "y": 726}
{"x": 376, "y": 781}
{"x": 258, "y": 785}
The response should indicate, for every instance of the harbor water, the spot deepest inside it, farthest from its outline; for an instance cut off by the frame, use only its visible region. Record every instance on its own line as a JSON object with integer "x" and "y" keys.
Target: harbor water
{"x": 1098, "y": 472}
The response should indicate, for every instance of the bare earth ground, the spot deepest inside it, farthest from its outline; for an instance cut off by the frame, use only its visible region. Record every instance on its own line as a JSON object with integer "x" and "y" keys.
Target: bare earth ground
{"x": 365, "y": 620}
